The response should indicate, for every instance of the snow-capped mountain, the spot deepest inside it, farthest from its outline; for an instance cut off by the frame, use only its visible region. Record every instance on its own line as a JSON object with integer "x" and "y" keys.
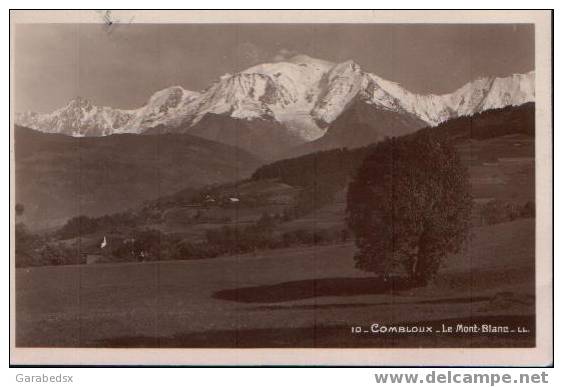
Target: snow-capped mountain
{"x": 165, "y": 107}
{"x": 285, "y": 92}
{"x": 81, "y": 118}
{"x": 303, "y": 95}
{"x": 78, "y": 118}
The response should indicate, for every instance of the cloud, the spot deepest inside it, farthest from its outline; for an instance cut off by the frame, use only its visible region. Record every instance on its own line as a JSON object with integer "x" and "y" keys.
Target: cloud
{"x": 284, "y": 54}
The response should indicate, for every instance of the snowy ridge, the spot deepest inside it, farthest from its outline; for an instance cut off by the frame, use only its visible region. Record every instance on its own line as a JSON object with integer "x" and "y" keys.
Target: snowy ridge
{"x": 474, "y": 97}
{"x": 78, "y": 118}
{"x": 165, "y": 107}
{"x": 343, "y": 82}
{"x": 81, "y": 118}
{"x": 304, "y": 94}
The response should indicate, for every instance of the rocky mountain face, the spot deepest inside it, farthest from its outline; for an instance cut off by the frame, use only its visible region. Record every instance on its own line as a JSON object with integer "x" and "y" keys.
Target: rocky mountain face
{"x": 79, "y": 118}
{"x": 359, "y": 125}
{"x": 284, "y": 104}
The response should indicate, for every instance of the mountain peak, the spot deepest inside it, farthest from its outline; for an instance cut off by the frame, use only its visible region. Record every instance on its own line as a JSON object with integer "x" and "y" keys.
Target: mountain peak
{"x": 302, "y": 59}
{"x": 79, "y": 102}
{"x": 170, "y": 92}
{"x": 351, "y": 63}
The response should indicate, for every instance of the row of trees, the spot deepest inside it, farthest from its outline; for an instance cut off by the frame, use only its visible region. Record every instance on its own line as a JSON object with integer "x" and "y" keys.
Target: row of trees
{"x": 500, "y": 211}
{"x": 492, "y": 123}
{"x": 37, "y": 250}
{"x": 153, "y": 245}
{"x": 263, "y": 235}
{"x": 84, "y": 225}
{"x": 303, "y": 171}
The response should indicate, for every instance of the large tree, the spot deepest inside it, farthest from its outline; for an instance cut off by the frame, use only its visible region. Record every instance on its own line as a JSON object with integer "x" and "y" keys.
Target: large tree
{"x": 409, "y": 205}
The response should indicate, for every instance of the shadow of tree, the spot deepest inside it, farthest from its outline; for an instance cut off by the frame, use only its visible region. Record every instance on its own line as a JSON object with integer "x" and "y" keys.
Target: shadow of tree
{"x": 441, "y": 301}
{"x": 310, "y": 288}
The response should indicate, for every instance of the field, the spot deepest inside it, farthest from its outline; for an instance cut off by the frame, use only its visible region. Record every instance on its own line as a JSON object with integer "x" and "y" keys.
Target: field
{"x": 501, "y": 168}
{"x": 302, "y": 297}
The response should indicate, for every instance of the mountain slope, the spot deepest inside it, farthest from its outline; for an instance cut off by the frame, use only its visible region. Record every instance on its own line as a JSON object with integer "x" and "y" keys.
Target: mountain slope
{"x": 260, "y": 136}
{"x": 58, "y": 177}
{"x": 362, "y": 124}
{"x": 482, "y": 140}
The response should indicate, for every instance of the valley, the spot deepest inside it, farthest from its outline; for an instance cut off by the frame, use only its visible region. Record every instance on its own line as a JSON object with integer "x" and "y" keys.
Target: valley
{"x": 288, "y": 203}
{"x": 218, "y": 218}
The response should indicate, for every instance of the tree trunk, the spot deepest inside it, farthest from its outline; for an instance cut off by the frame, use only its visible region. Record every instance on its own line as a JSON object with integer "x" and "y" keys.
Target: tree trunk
{"x": 418, "y": 272}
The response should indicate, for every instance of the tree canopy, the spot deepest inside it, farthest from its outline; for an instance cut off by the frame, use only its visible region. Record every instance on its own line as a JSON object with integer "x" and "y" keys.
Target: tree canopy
{"x": 409, "y": 205}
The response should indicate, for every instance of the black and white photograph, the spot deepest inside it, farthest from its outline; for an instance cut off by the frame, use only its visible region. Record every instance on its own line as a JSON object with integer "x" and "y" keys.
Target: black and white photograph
{"x": 270, "y": 182}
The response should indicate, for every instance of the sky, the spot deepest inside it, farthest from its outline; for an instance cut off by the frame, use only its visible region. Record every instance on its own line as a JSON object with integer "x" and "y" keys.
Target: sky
{"x": 123, "y": 65}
